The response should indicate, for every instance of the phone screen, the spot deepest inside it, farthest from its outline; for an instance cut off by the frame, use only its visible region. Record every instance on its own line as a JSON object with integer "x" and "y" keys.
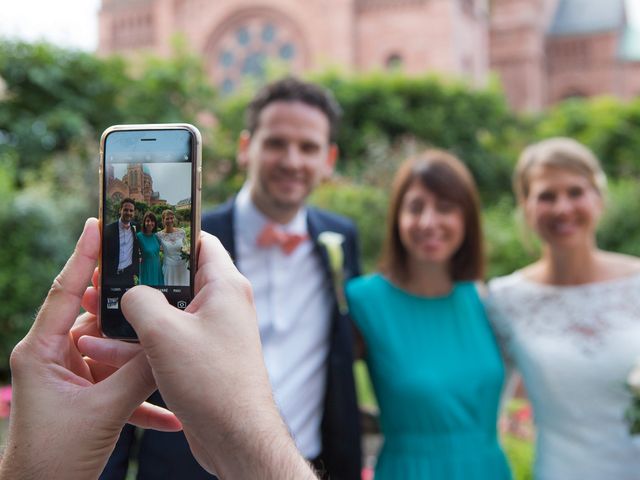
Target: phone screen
{"x": 149, "y": 219}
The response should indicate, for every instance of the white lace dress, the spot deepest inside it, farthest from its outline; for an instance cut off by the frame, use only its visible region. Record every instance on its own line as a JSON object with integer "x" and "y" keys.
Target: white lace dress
{"x": 574, "y": 346}
{"x": 174, "y": 267}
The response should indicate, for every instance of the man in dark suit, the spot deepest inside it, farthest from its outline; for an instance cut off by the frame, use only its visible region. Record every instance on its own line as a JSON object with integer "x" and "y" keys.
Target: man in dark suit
{"x": 297, "y": 259}
{"x": 122, "y": 252}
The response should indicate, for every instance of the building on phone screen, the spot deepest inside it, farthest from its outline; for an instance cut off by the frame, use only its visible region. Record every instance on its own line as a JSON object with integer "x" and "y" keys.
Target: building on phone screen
{"x": 136, "y": 183}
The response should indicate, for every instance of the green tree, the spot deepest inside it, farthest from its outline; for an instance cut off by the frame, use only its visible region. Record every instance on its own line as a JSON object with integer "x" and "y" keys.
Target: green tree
{"x": 384, "y": 110}
{"x": 54, "y": 105}
{"x": 606, "y": 125}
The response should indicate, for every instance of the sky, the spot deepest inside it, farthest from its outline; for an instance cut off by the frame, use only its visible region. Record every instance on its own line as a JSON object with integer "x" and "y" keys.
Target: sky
{"x": 74, "y": 23}
{"x": 67, "y": 23}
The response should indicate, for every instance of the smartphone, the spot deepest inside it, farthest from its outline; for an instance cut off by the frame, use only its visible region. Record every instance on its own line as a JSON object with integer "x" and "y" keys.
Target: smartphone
{"x": 150, "y": 183}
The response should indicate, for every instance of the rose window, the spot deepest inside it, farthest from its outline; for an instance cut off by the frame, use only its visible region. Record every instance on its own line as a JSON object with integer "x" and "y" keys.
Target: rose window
{"x": 245, "y": 49}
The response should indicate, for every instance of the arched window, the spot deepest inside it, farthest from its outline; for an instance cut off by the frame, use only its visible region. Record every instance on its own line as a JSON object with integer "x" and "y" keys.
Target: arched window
{"x": 573, "y": 93}
{"x": 394, "y": 62}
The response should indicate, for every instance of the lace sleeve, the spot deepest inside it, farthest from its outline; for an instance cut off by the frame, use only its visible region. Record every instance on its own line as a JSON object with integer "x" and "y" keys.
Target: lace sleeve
{"x": 501, "y": 326}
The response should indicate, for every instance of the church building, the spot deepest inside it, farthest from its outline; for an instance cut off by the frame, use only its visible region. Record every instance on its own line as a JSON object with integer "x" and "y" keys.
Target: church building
{"x": 542, "y": 50}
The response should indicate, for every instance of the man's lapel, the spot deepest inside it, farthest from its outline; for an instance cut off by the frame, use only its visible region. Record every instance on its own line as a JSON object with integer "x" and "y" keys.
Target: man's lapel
{"x": 316, "y": 225}
{"x": 220, "y": 224}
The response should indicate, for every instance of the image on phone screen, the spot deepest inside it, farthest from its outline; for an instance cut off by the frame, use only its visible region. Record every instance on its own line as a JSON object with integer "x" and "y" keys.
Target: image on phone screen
{"x": 148, "y": 220}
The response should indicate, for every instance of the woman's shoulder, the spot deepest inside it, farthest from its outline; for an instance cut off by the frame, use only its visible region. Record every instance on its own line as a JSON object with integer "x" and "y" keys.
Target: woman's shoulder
{"x": 619, "y": 265}
{"x": 512, "y": 281}
{"x": 364, "y": 284}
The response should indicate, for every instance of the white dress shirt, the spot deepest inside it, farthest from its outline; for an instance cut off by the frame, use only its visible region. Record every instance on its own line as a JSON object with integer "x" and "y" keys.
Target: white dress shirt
{"x": 293, "y": 300}
{"x": 125, "y": 258}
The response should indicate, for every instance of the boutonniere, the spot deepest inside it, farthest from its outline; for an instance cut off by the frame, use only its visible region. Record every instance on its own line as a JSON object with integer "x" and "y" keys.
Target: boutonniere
{"x": 632, "y": 413}
{"x": 332, "y": 242}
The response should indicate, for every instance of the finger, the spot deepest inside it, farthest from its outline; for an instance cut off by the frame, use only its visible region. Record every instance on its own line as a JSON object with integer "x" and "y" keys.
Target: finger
{"x": 215, "y": 265}
{"x": 126, "y": 388}
{"x": 61, "y": 306}
{"x": 99, "y": 371}
{"x": 90, "y": 300}
{"x": 85, "y": 324}
{"x": 150, "y": 313}
{"x": 213, "y": 259}
{"x": 94, "y": 277}
{"x": 108, "y": 351}
{"x": 152, "y": 416}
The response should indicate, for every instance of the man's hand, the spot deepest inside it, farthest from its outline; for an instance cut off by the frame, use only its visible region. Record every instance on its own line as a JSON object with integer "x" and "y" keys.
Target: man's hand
{"x": 207, "y": 362}
{"x": 67, "y": 411}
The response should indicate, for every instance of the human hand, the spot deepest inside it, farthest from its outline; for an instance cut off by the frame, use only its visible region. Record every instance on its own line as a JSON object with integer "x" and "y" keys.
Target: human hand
{"x": 67, "y": 411}
{"x": 208, "y": 365}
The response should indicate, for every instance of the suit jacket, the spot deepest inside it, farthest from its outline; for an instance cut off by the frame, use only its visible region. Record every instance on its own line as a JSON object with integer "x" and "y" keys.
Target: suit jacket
{"x": 112, "y": 244}
{"x": 167, "y": 455}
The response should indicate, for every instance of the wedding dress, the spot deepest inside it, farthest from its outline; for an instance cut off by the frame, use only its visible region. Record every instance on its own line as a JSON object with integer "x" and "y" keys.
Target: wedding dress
{"x": 574, "y": 346}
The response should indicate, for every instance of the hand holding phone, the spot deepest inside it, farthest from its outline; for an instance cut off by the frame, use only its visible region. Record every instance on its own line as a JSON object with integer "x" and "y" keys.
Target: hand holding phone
{"x": 150, "y": 182}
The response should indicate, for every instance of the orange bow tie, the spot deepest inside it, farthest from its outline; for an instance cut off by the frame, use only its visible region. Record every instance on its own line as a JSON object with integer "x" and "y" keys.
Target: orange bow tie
{"x": 271, "y": 236}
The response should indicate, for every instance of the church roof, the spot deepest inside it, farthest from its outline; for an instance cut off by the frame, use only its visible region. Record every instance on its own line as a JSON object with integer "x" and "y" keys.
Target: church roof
{"x": 574, "y": 17}
{"x": 629, "y": 46}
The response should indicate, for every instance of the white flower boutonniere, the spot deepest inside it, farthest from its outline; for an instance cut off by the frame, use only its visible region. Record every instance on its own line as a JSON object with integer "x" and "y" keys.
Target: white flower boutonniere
{"x": 333, "y": 243}
{"x": 632, "y": 413}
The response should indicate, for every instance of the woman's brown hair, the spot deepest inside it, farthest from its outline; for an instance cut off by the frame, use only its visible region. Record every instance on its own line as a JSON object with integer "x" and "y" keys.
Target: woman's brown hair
{"x": 447, "y": 177}
{"x": 152, "y": 216}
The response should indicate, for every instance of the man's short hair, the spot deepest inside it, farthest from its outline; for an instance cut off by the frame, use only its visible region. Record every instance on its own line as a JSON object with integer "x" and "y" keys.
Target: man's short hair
{"x": 127, "y": 200}
{"x": 291, "y": 89}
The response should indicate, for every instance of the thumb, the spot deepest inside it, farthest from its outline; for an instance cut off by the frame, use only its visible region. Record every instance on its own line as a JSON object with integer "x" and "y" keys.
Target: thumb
{"x": 150, "y": 314}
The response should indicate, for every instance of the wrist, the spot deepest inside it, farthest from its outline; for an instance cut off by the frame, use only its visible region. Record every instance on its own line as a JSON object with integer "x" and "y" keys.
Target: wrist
{"x": 250, "y": 442}
{"x": 262, "y": 448}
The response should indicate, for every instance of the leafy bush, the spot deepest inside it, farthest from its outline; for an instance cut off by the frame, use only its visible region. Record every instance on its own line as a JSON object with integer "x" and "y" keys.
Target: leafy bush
{"x": 366, "y": 206}
{"x": 41, "y": 235}
{"x": 435, "y": 111}
{"x": 509, "y": 244}
{"x": 606, "y": 125}
{"x": 520, "y": 455}
{"x": 619, "y": 229}
{"x": 388, "y": 108}
{"x": 54, "y": 104}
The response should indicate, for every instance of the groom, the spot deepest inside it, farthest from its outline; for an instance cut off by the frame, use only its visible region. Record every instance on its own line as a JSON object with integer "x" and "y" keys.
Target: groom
{"x": 276, "y": 240}
{"x": 121, "y": 263}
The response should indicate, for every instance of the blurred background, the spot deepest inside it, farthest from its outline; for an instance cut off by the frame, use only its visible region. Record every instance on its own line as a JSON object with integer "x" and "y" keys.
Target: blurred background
{"x": 482, "y": 78}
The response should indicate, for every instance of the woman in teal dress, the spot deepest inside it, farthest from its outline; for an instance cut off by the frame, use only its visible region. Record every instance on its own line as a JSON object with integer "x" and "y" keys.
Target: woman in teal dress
{"x": 150, "y": 266}
{"x": 433, "y": 360}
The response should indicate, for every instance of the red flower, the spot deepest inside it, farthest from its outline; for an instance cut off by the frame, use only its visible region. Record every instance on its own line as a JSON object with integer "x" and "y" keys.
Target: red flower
{"x": 5, "y": 401}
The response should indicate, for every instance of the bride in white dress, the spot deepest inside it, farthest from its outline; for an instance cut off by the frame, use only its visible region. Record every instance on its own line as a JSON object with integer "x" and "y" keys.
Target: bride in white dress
{"x": 174, "y": 267}
{"x": 570, "y": 322}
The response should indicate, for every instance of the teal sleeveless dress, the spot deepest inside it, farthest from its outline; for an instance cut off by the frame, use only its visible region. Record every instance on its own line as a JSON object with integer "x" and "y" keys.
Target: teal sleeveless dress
{"x": 150, "y": 268}
{"x": 437, "y": 374}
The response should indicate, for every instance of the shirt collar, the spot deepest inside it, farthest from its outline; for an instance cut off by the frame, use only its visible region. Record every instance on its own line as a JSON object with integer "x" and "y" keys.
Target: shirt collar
{"x": 122, "y": 227}
{"x": 249, "y": 221}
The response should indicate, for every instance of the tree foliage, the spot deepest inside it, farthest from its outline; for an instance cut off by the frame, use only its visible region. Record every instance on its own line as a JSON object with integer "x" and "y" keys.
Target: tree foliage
{"x": 55, "y": 103}
{"x": 389, "y": 108}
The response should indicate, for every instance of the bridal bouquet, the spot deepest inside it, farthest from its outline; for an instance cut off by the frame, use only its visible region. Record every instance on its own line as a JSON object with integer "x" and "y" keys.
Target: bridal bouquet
{"x": 632, "y": 413}
{"x": 185, "y": 253}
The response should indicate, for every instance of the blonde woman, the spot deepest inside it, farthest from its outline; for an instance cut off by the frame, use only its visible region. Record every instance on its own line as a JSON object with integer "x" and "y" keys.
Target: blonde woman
{"x": 173, "y": 239}
{"x": 570, "y": 322}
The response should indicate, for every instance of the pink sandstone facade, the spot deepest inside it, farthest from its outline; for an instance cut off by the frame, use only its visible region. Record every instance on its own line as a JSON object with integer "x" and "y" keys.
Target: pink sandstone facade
{"x": 534, "y": 49}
